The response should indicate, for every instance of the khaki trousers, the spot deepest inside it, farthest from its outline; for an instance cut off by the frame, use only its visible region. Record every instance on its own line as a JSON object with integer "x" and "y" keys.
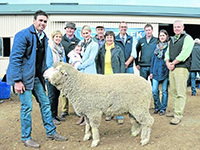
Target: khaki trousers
{"x": 65, "y": 103}
{"x": 178, "y": 89}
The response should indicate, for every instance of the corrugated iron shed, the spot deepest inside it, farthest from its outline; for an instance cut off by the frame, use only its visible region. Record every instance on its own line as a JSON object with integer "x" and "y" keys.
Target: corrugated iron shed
{"x": 99, "y": 9}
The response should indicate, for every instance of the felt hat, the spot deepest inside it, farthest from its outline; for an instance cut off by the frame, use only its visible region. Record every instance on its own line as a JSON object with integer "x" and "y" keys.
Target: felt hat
{"x": 70, "y": 25}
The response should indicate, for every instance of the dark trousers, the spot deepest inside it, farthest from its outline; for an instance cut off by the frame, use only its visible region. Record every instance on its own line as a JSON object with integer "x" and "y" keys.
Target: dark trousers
{"x": 53, "y": 94}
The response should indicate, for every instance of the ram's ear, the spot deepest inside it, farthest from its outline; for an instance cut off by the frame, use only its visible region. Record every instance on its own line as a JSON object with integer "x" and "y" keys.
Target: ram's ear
{"x": 63, "y": 72}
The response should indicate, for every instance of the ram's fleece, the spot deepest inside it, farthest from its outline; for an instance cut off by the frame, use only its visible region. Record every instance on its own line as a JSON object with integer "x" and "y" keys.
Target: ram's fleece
{"x": 92, "y": 95}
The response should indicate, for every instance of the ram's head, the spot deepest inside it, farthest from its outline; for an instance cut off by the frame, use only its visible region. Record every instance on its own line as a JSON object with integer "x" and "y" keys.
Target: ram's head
{"x": 55, "y": 75}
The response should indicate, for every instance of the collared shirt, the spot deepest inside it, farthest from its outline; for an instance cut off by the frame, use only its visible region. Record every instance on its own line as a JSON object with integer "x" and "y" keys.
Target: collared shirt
{"x": 69, "y": 38}
{"x": 100, "y": 42}
{"x": 123, "y": 37}
{"x": 148, "y": 40}
{"x": 40, "y": 35}
{"x": 133, "y": 53}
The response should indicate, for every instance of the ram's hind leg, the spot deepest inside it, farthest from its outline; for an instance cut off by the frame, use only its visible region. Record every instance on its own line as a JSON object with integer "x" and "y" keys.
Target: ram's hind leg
{"x": 136, "y": 127}
{"x": 88, "y": 133}
{"x": 146, "y": 130}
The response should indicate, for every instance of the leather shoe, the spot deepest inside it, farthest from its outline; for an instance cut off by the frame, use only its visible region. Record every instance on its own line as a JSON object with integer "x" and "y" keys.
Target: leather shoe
{"x": 108, "y": 118}
{"x": 31, "y": 143}
{"x": 162, "y": 113}
{"x": 81, "y": 120}
{"x": 170, "y": 115}
{"x": 83, "y": 123}
{"x": 156, "y": 111}
{"x": 59, "y": 118}
{"x": 64, "y": 114}
{"x": 175, "y": 121}
{"x": 56, "y": 122}
{"x": 56, "y": 137}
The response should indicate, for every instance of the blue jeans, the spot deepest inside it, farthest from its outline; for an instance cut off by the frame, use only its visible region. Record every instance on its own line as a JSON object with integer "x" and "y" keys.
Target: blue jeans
{"x": 53, "y": 94}
{"x": 129, "y": 70}
{"x": 26, "y": 109}
{"x": 145, "y": 72}
{"x": 160, "y": 105}
{"x": 193, "y": 81}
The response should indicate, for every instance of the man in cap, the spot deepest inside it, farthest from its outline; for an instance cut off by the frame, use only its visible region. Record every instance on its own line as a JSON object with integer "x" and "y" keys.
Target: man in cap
{"x": 99, "y": 37}
{"x": 69, "y": 41}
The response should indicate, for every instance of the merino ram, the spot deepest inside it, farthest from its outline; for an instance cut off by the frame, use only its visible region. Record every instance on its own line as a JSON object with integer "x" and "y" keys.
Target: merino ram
{"x": 94, "y": 95}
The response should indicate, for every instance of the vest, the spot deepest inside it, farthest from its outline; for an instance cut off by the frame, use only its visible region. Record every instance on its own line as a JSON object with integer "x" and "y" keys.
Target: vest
{"x": 127, "y": 48}
{"x": 40, "y": 53}
{"x": 175, "y": 48}
{"x": 69, "y": 44}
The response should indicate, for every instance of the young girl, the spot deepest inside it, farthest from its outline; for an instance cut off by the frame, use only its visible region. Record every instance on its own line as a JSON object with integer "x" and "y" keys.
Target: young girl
{"x": 159, "y": 73}
{"x": 75, "y": 56}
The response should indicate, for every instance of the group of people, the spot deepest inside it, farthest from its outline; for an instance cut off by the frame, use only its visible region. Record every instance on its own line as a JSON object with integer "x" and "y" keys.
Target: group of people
{"x": 158, "y": 59}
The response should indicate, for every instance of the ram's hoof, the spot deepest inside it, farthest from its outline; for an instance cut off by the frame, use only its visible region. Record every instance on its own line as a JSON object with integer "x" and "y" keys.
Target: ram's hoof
{"x": 87, "y": 137}
{"x": 144, "y": 142}
{"x": 135, "y": 133}
{"x": 94, "y": 143}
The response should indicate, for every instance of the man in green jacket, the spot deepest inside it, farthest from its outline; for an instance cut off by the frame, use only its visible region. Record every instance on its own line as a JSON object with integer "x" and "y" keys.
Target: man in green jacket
{"x": 178, "y": 59}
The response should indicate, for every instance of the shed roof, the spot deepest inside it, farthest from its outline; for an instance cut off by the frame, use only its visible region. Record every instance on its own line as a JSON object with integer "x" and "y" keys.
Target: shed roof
{"x": 99, "y": 9}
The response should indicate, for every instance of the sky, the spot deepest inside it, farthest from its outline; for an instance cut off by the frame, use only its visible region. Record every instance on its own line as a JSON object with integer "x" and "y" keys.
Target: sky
{"x": 177, "y": 3}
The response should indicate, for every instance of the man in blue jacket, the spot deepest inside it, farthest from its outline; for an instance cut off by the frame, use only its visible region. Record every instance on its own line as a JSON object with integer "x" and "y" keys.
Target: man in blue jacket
{"x": 125, "y": 41}
{"x": 25, "y": 73}
{"x": 145, "y": 48}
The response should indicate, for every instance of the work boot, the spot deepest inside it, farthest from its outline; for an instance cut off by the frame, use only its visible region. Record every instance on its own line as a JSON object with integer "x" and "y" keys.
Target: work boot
{"x": 31, "y": 143}
{"x": 175, "y": 121}
{"x": 56, "y": 137}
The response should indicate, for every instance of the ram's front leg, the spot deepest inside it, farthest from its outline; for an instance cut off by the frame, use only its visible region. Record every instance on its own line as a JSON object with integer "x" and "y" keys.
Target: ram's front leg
{"x": 88, "y": 134}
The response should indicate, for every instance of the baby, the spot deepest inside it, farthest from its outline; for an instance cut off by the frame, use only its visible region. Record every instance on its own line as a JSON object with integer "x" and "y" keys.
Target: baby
{"x": 75, "y": 56}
